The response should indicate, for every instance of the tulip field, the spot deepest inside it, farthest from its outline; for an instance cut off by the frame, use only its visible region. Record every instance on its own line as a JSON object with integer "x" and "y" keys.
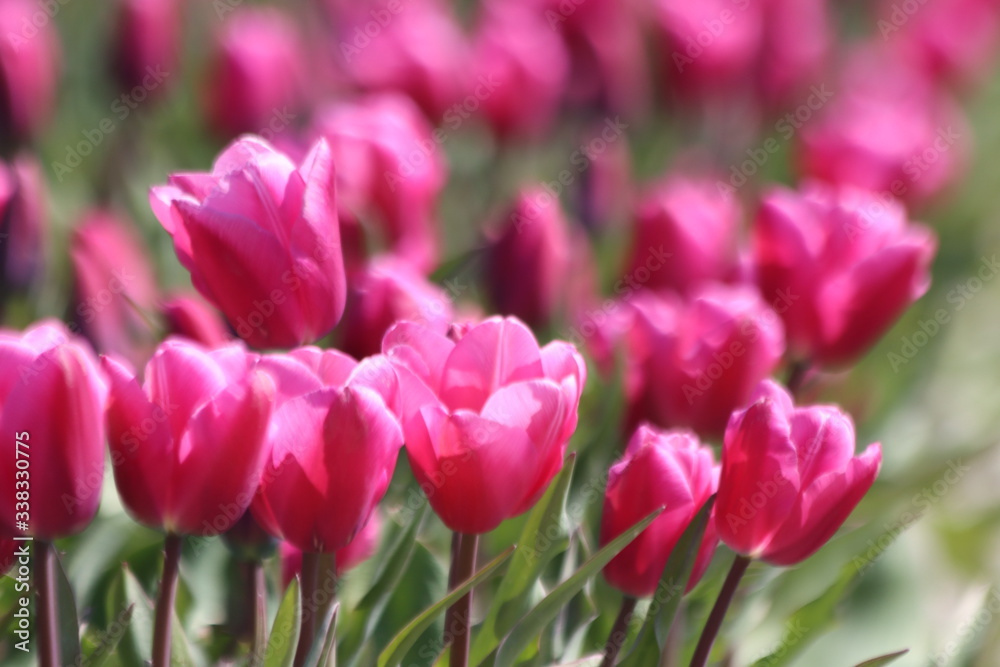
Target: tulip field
{"x": 456, "y": 333}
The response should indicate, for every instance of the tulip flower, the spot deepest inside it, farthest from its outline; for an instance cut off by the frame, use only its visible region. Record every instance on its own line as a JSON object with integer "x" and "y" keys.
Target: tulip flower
{"x": 46, "y": 372}
{"x": 495, "y": 433}
{"x": 671, "y": 469}
{"x": 115, "y": 285}
{"x": 29, "y": 69}
{"x": 256, "y": 74}
{"x": 260, "y": 238}
{"x": 188, "y": 444}
{"x": 147, "y": 39}
{"x": 23, "y": 220}
{"x": 189, "y": 316}
{"x": 528, "y": 261}
{"x": 334, "y": 444}
{"x": 685, "y": 234}
{"x": 690, "y": 364}
{"x": 390, "y": 168}
{"x": 509, "y": 44}
{"x": 789, "y": 480}
{"x": 843, "y": 264}
{"x": 360, "y": 549}
{"x": 387, "y": 291}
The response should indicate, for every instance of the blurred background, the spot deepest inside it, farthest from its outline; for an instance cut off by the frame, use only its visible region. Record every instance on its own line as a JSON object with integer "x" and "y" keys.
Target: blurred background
{"x": 444, "y": 116}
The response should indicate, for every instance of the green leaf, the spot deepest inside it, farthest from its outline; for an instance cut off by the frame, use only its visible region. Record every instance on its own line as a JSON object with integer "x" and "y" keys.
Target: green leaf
{"x": 323, "y": 653}
{"x": 648, "y": 647}
{"x": 538, "y": 618}
{"x": 99, "y": 647}
{"x": 285, "y": 630}
{"x": 401, "y": 643}
{"x": 884, "y": 659}
{"x": 137, "y": 644}
{"x": 69, "y": 622}
{"x": 180, "y": 647}
{"x": 544, "y": 536}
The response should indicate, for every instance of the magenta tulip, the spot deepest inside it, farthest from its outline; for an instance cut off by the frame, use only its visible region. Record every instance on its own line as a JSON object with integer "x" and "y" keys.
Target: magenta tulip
{"x": 486, "y": 417}
{"x": 690, "y": 364}
{"x": 261, "y": 240}
{"x": 843, "y": 264}
{"x": 257, "y": 73}
{"x": 146, "y": 43}
{"x": 528, "y": 261}
{"x": 23, "y": 220}
{"x": 190, "y": 316}
{"x": 29, "y": 69}
{"x": 670, "y": 469}
{"x": 334, "y": 444}
{"x": 685, "y": 234}
{"x": 188, "y": 444}
{"x": 115, "y": 285}
{"x": 52, "y": 399}
{"x": 789, "y": 477}
{"x": 386, "y": 291}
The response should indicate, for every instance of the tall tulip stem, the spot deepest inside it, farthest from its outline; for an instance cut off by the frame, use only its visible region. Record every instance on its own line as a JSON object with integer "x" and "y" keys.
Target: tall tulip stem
{"x": 258, "y": 593}
{"x": 165, "y": 603}
{"x": 319, "y": 587}
{"x": 714, "y": 622}
{"x": 459, "y": 617}
{"x": 48, "y": 607}
{"x": 618, "y": 631}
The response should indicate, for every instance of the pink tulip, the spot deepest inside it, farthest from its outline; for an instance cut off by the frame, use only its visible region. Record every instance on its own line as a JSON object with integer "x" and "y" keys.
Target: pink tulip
{"x": 23, "y": 220}
{"x": 334, "y": 444}
{"x": 685, "y": 234}
{"x": 257, "y": 73}
{"x": 670, "y": 469}
{"x": 789, "y": 477}
{"x": 418, "y": 50}
{"x": 147, "y": 40}
{"x": 844, "y": 264}
{"x": 796, "y": 47}
{"x": 527, "y": 268}
{"x": 29, "y": 68}
{"x": 391, "y": 167}
{"x": 190, "y": 316}
{"x": 115, "y": 285}
{"x": 884, "y": 126}
{"x": 486, "y": 418}
{"x": 52, "y": 399}
{"x": 188, "y": 444}
{"x": 509, "y": 45}
{"x": 387, "y": 291}
{"x": 261, "y": 240}
{"x": 692, "y": 363}
{"x": 361, "y": 548}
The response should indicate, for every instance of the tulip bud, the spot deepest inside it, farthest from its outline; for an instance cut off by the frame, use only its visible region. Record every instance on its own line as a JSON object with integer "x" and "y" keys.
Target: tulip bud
{"x": 23, "y": 221}
{"x": 53, "y": 401}
{"x": 333, "y": 448}
{"x": 147, "y": 39}
{"x": 669, "y": 469}
{"x": 789, "y": 477}
{"x": 486, "y": 417}
{"x": 188, "y": 444}
{"x": 189, "y": 316}
{"x": 692, "y": 363}
{"x": 261, "y": 240}
{"x": 528, "y": 261}
{"x": 390, "y": 290}
{"x": 839, "y": 266}
{"x": 29, "y": 67}
{"x": 257, "y": 72}
{"x": 115, "y": 289}
{"x": 510, "y": 43}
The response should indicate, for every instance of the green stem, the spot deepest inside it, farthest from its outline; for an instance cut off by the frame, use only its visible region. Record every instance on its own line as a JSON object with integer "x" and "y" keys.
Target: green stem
{"x": 165, "y": 603}
{"x": 714, "y": 622}
{"x": 797, "y": 375}
{"x": 319, "y": 588}
{"x": 619, "y": 631}
{"x": 258, "y": 593}
{"x": 48, "y": 607}
{"x": 459, "y": 616}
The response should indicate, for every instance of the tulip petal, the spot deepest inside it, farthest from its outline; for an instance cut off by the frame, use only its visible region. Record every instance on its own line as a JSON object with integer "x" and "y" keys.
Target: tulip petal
{"x": 420, "y": 349}
{"x": 180, "y": 377}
